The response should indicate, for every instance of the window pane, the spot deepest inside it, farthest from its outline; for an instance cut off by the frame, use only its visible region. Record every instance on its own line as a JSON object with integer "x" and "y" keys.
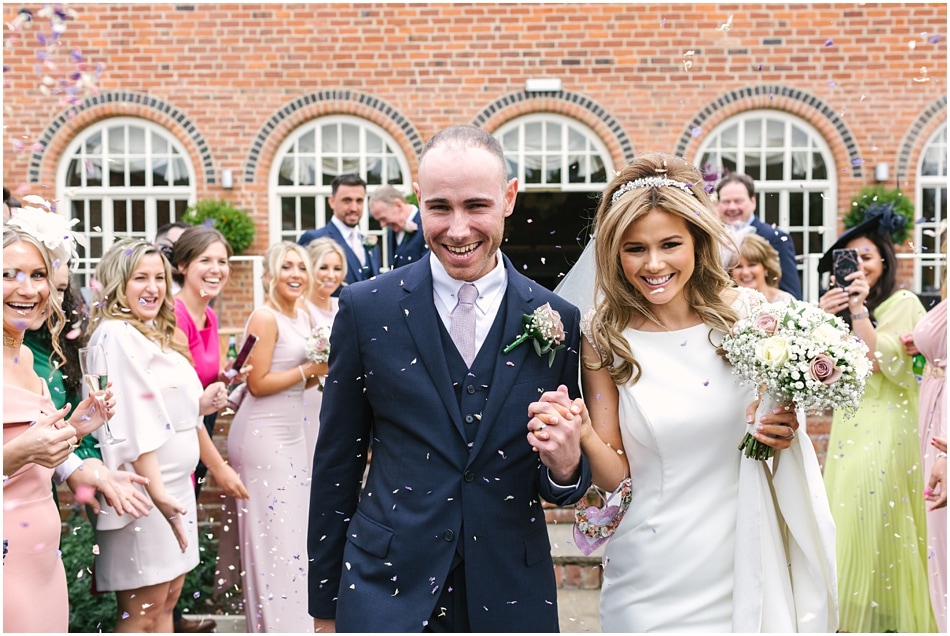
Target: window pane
{"x": 330, "y": 139}
{"x": 752, "y": 161}
{"x": 351, "y": 139}
{"x": 163, "y": 213}
{"x": 576, "y": 141}
{"x": 576, "y": 168}
{"x": 729, "y": 137}
{"x": 374, "y": 144}
{"x": 351, "y": 164}
{"x": 818, "y": 169}
{"x": 393, "y": 171}
{"x": 159, "y": 172}
{"x": 598, "y": 172}
{"x": 118, "y": 217}
{"x": 773, "y": 166}
{"x": 74, "y": 174}
{"x": 93, "y": 168}
{"x": 775, "y": 134}
{"x": 136, "y": 140}
{"x": 288, "y": 214}
{"x": 553, "y": 172}
{"x": 308, "y": 171}
{"x": 799, "y": 138}
{"x": 137, "y": 172}
{"x": 159, "y": 145}
{"x": 753, "y": 133}
{"x": 307, "y": 144}
{"x": 181, "y": 171}
{"x": 796, "y": 209}
{"x": 799, "y": 164}
{"x": 116, "y": 173}
{"x": 374, "y": 172}
{"x": 532, "y": 137}
{"x": 554, "y": 136}
{"x": 285, "y": 176}
{"x": 308, "y": 212}
{"x": 93, "y": 145}
{"x": 816, "y": 209}
{"x": 116, "y": 140}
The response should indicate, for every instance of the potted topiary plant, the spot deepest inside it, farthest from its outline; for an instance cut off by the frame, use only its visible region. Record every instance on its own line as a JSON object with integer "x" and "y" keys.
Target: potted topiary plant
{"x": 872, "y": 200}
{"x": 235, "y": 224}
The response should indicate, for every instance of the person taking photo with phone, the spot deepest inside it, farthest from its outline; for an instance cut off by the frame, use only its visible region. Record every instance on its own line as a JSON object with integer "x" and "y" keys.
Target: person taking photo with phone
{"x": 872, "y": 468}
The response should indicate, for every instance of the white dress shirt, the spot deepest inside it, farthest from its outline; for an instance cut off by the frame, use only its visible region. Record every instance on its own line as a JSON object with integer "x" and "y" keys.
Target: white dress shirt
{"x": 353, "y": 237}
{"x": 491, "y": 290}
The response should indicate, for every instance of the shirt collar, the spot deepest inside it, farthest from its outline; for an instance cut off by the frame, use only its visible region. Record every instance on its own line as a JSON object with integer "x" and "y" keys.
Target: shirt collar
{"x": 345, "y": 229}
{"x": 489, "y": 286}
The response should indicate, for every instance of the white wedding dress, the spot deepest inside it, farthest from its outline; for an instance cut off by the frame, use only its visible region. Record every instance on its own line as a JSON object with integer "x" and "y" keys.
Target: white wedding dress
{"x": 669, "y": 566}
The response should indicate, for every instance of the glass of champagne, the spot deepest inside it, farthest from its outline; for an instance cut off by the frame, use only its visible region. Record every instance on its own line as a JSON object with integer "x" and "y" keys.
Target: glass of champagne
{"x": 95, "y": 375}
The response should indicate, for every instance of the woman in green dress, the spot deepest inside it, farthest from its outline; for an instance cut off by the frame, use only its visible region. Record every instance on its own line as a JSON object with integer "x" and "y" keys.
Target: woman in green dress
{"x": 872, "y": 470}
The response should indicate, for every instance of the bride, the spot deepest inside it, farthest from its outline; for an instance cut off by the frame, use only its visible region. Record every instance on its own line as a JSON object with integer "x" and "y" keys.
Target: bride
{"x": 711, "y": 541}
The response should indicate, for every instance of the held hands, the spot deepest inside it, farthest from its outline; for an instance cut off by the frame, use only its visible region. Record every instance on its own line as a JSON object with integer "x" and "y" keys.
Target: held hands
{"x": 94, "y": 410}
{"x": 554, "y": 431}
{"x": 214, "y": 398}
{"x": 776, "y": 429}
{"x": 851, "y": 297}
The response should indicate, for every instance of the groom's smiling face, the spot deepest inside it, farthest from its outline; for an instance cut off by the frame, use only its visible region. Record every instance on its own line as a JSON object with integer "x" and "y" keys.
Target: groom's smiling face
{"x": 464, "y": 197}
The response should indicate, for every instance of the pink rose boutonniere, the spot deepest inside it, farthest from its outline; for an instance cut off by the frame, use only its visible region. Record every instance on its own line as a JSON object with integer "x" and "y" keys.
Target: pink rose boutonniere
{"x": 410, "y": 227}
{"x": 544, "y": 328}
{"x": 370, "y": 241}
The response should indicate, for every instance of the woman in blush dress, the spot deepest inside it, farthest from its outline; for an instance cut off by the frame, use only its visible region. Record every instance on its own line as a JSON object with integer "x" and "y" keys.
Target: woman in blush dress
{"x": 663, "y": 407}
{"x": 268, "y": 447}
{"x": 930, "y": 339}
{"x": 872, "y": 469}
{"x": 328, "y": 261}
{"x": 759, "y": 268}
{"x": 160, "y": 404}
{"x": 36, "y": 439}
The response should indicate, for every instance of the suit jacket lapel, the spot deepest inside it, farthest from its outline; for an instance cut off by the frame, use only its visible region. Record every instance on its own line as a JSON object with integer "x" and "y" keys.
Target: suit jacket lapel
{"x": 507, "y": 366}
{"x": 422, "y": 321}
{"x": 353, "y": 267}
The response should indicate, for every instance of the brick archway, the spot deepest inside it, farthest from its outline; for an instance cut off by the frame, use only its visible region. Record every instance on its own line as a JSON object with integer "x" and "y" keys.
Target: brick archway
{"x": 313, "y": 105}
{"x": 125, "y": 104}
{"x": 910, "y": 147}
{"x": 566, "y": 103}
{"x": 798, "y": 102}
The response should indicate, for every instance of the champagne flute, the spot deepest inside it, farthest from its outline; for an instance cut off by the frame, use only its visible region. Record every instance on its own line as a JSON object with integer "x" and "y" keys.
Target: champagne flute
{"x": 95, "y": 375}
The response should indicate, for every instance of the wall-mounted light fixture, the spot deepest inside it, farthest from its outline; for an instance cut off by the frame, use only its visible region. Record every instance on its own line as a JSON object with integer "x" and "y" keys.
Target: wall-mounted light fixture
{"x": 882, "y": 171}
{"x": 542, "y": 85}
{"x": 227, "y": 179}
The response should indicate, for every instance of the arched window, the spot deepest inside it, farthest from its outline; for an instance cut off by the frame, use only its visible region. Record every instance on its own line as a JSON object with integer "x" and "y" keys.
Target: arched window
{"x": 562, "y": 168}
{"x": 123, "y": 177}
{"x": 931, "y": 227}
{"x": 309, "y": 159}
{"x": 793, "y": 170}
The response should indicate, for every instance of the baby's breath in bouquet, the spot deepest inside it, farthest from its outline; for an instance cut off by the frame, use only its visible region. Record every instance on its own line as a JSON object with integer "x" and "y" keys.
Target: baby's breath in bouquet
{"x": 797, "y": 352}
{"x": 318, "y": 344}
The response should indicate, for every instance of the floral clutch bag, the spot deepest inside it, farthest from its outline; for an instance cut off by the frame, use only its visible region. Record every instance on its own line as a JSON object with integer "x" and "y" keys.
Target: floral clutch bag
{"x": 593, "y": 525}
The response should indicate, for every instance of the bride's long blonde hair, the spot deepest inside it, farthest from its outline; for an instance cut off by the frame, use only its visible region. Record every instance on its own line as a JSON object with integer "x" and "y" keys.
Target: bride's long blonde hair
{"x": 671, "y": 185}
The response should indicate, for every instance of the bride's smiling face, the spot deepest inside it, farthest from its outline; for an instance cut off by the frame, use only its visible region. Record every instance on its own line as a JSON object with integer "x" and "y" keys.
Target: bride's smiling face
{"x": 658, "y": 256}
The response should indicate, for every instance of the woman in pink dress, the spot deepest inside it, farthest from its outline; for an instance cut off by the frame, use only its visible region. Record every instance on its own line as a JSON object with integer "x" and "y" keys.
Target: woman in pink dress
{"x": 329, "y": 269}
{"x": 267, "y": 446}
{"x": 930, "y": 338}
{"x": 36, "y": 439}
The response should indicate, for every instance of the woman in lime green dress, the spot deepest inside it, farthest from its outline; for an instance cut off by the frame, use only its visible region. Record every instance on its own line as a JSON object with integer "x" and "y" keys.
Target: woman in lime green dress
{"x": 872, "y": 470}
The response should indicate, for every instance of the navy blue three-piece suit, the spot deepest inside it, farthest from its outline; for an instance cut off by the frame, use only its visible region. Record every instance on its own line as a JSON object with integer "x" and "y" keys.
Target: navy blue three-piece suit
{"x": 452, "y": 479}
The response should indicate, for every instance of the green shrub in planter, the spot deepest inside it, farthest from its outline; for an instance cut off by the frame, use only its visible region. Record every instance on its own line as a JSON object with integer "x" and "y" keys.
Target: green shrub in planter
{"x": 872, "y": 197}
{"x": 235, "y": 224}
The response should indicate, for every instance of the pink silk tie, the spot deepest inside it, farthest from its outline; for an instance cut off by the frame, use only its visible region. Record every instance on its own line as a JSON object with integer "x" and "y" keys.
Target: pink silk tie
{"x": 463, "y": 323}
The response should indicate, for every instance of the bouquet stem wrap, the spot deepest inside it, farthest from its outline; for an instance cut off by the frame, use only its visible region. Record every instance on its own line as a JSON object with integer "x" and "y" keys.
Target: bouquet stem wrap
{"x": 751, "y": 447}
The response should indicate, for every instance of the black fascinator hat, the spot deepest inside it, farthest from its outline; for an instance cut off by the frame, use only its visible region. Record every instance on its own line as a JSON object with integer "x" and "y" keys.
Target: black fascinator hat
{"x": 881, "y": 218}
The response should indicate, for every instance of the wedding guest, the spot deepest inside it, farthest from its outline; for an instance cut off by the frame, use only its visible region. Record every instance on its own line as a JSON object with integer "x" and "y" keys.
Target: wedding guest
{"x": 201, "y": 266}
{"x": 872, "y": 470}
{"x": 662, "y": 407}
{"x": 328, "y": 263}
{"x": 405, "y": 242}
{"x": 200, "y": 259}
{"x": 36, "y": 438}
{"x": 347, "y": 198}
{"x": 268, "y": 448}
{"x": 83, "y": 471}
{"x": 736, "y": 204}
{"x": 930, "y": 339}
{"x": 449, "y": 532}
{"x": 159, "y": 411}
{"x": 759, "y": 269}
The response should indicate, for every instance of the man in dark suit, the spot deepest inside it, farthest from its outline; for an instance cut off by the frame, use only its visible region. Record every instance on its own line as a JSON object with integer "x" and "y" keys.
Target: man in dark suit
{"x": 448, "y": 533}
{"x": 347, "y": 195}
{"x": 736, "y": 205}
{"x": 405, "y": 239}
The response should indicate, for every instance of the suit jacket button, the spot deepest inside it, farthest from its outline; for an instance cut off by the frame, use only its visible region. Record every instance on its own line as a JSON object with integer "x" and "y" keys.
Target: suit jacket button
{"x": 448, "y": 535}
{"x": 470, "y": 388}
{"x": 469, "y": 418}
{"x": 469, "y": 476}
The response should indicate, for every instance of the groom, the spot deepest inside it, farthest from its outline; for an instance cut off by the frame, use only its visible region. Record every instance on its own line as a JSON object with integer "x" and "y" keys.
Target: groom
{"x": 448, "y": 533}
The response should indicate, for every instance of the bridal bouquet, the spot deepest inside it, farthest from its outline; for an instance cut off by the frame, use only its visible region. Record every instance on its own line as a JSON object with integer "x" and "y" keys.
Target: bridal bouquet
{"x": 797, "y": 352}
{"x": 318, "y": 344}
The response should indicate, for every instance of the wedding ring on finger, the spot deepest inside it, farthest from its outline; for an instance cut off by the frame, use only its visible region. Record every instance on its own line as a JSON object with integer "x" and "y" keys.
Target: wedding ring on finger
{"x": 541, "y": 427}
{"x": 791, "y": 434}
